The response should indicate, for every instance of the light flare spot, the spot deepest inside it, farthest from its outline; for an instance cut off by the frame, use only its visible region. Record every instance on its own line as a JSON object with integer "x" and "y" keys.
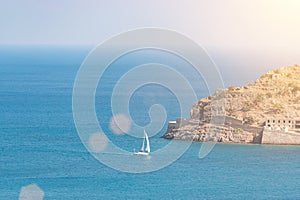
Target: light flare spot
{"x": 31, "y": 192}
{"x": 98, "y": 142}
{"x": 120, "y": 124}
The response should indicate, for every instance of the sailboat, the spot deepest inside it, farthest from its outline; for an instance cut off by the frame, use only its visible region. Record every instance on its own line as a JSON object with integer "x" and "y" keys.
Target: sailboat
{"x": 144, "y": 151}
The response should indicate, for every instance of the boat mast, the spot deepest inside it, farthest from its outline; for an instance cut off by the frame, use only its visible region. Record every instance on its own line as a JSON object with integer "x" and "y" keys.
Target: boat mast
{"x": 142, "y": 149}
{"x": 147, "y": 142}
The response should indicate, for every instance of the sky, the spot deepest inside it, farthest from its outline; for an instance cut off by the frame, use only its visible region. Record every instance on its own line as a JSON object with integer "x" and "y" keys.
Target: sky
{"x": 265, "y": 30}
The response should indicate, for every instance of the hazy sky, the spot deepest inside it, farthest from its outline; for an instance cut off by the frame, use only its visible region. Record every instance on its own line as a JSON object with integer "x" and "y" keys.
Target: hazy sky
{"x": 268, "y": 29}
{"x": 211, "y": 22}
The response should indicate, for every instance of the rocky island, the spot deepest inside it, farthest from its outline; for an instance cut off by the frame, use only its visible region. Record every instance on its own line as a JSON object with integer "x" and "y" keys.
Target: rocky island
{"x": 266, "y": 111}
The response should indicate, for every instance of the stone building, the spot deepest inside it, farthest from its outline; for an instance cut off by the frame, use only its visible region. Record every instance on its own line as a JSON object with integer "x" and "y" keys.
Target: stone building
{"x": 282, "y": 123}
{"x": 177, "y": 124}
{"x": 297, "y": 123}
{"x": 172, "y": 125}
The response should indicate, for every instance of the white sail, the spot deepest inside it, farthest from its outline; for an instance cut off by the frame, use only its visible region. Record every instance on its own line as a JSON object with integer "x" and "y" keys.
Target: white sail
{"x": 147, "y": 142}
{"x": 144, "y": 151}
{"x": 143, "y": 145}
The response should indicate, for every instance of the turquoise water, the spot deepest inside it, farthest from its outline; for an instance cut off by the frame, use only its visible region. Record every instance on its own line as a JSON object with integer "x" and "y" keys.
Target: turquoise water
{"x": 39, "y": 143}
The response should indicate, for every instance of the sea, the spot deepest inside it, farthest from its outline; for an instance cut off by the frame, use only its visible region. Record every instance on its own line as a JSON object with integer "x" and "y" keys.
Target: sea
{"x": 39, "y": 142}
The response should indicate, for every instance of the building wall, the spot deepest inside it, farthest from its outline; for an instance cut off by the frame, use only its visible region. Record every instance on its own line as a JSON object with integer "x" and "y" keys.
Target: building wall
{"x": 226, "y": 120}
{"x": 297, "y": 124}
{"x": 280, "y": 137}
{"x": 280, "y": 123}
{"x": 172, "y": 125}
{"x": 233, "y": 121}
{"x": 181, "y": 122}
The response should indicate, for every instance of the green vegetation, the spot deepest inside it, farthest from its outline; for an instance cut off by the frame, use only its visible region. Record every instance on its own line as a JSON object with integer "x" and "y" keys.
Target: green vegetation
{"x": 239, "y": 130}
{"x": 248, "y": 105}
{"x": 265, "y": 76}
{"x": 231, "y": 88}
{"x": 285, "y": 91}
{"x": 296, "y": 89}
{"x": 248, "y": 120}
{"x": 258, "y": 99}
{"x": 269, "y": 95}
{"x": 289, "y": 75}
{"x": 276, "y": 109}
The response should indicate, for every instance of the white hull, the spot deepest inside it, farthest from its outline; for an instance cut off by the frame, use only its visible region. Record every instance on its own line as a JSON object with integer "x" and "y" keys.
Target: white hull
{"x": 141, "y": 153}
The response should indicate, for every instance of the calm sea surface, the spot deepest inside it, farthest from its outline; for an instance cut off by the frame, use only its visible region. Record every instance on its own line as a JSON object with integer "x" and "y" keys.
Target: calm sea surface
{"x": 39, "y": 142}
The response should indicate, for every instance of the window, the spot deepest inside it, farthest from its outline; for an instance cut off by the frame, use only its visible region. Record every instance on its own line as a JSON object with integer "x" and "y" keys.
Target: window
{"x": 283, "y": 121}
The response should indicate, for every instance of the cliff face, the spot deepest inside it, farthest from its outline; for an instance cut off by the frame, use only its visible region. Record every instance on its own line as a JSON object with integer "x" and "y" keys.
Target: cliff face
{"x": 275, "y": 94}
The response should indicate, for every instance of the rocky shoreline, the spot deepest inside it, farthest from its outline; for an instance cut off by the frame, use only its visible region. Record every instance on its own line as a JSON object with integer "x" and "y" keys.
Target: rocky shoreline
{"x": 270, "y": 103}
{"x": 213, "y": 133}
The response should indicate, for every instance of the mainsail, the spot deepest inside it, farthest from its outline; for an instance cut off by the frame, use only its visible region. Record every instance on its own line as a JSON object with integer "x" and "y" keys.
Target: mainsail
{"x": 143, "y": 145}
{"x": 147, "y": 142}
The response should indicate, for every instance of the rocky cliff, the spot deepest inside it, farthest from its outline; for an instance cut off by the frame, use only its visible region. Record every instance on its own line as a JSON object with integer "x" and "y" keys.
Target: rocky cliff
{"x": 275, "y": 94}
